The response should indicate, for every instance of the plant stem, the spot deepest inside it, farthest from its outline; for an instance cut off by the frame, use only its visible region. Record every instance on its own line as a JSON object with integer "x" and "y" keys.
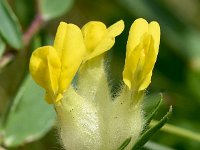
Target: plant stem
{"x": 178, "y": 131}
{"x": 33, "y": 29}
{"x": 7, "y": 57}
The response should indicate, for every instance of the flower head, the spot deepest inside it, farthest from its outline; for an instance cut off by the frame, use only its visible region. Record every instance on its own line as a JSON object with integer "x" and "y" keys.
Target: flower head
{"x": 54, "y": 67}
{"x": 142, "y": 50}
{"x": 89, "y": 116}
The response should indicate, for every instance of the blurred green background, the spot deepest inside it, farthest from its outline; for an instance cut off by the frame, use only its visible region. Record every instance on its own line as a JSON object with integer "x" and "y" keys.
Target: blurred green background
{"x": 28, "y": 123}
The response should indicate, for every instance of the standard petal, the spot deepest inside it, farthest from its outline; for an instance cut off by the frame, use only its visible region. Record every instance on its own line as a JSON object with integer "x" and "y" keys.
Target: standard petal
{"x": 71, "y": 50}
{"x": 137, "y": 30}
{"x": 45, "y": 69}
{"x": 60, "y": 38}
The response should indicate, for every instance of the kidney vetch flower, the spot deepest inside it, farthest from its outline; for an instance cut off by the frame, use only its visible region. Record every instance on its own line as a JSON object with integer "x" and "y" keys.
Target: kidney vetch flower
{"x": 89, "y": 116}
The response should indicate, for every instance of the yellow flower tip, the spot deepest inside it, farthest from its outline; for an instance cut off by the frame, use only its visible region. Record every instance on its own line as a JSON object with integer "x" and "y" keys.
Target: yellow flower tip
{"x": 141, "y": 20}
{"x": 142, "y": 50}
{"x": 116, "y": 29}
{"x": 62, "y": 23}
{"x": 99, "y": 39}
{"x": 93, "y": 33}
{"x": 154, "y": 30}
{"x": 138, "y": 28}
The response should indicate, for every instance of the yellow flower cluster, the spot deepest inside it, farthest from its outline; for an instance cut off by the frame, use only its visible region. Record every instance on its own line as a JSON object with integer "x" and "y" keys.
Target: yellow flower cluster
{"x": 54, "y": 67}
{"x": 89, "y": 111}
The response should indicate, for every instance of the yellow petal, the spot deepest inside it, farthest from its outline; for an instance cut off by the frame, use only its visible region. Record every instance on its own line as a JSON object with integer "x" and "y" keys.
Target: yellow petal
{"x": 142, "y": 51}
{"x": 93, "y": 33}
{"x": 154, "y": 31}
{"x": 149, "y": 60}
{"x": 116, "y": 29}
{"x": 151, "y": 55}
{"x": 45, "y": 69}
{"x": 151, "y": 47}
{"x": 130, "y": 67}
{"x": 137, "y": 30}
{"x": 99, "y": 38}
{"x": 145, "y": 83}
{"x": 60, "y": 38}
{"x": 71, "y": 49}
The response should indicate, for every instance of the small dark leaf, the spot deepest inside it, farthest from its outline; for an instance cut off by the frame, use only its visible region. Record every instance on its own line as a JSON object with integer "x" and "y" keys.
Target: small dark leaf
{"x": 124, "y": 144}
{"x": 150, "y": 132}
{"x": 154, "y": 111}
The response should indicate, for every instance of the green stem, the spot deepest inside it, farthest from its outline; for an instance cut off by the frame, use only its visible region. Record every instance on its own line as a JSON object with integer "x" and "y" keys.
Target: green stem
{"x": 178, "y": 131}
{"x": 33, "y": 29}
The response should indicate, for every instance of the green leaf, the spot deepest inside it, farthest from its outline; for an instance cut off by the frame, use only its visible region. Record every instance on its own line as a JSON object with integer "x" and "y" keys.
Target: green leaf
{"x": 30, "y": 117}
{"x": 153, "y": 111}
{"x": 150, "y": 132}
{"x": 51, "y": 9}
{"x": 155, "y": 146}
{"x": 124, "y": 144}
{"x": 2, "y": 47}
{"x": 9, "y": 26}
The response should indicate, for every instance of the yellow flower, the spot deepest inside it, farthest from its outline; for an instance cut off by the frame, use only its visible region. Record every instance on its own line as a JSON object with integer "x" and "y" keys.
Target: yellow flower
{"x": 98, "y": 39}
{"x": 142, "y": 50}
{"x": 53, "y": 68}
{"x": 90, "y": 115}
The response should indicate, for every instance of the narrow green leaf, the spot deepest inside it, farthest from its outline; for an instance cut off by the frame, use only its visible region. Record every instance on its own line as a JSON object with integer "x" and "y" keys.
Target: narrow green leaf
{"x": 9, "y": 26}
{"x": 150, "y": 132}
{"x": 179, "y": 131}
{"x": 124, "y": 144}
{"x": 2, "y": 47}
{"x": 51, "y": 9}
{"x": 155, "y": 146}
{"x": 154, "y": 111}
{"x": 30, "y": 117}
